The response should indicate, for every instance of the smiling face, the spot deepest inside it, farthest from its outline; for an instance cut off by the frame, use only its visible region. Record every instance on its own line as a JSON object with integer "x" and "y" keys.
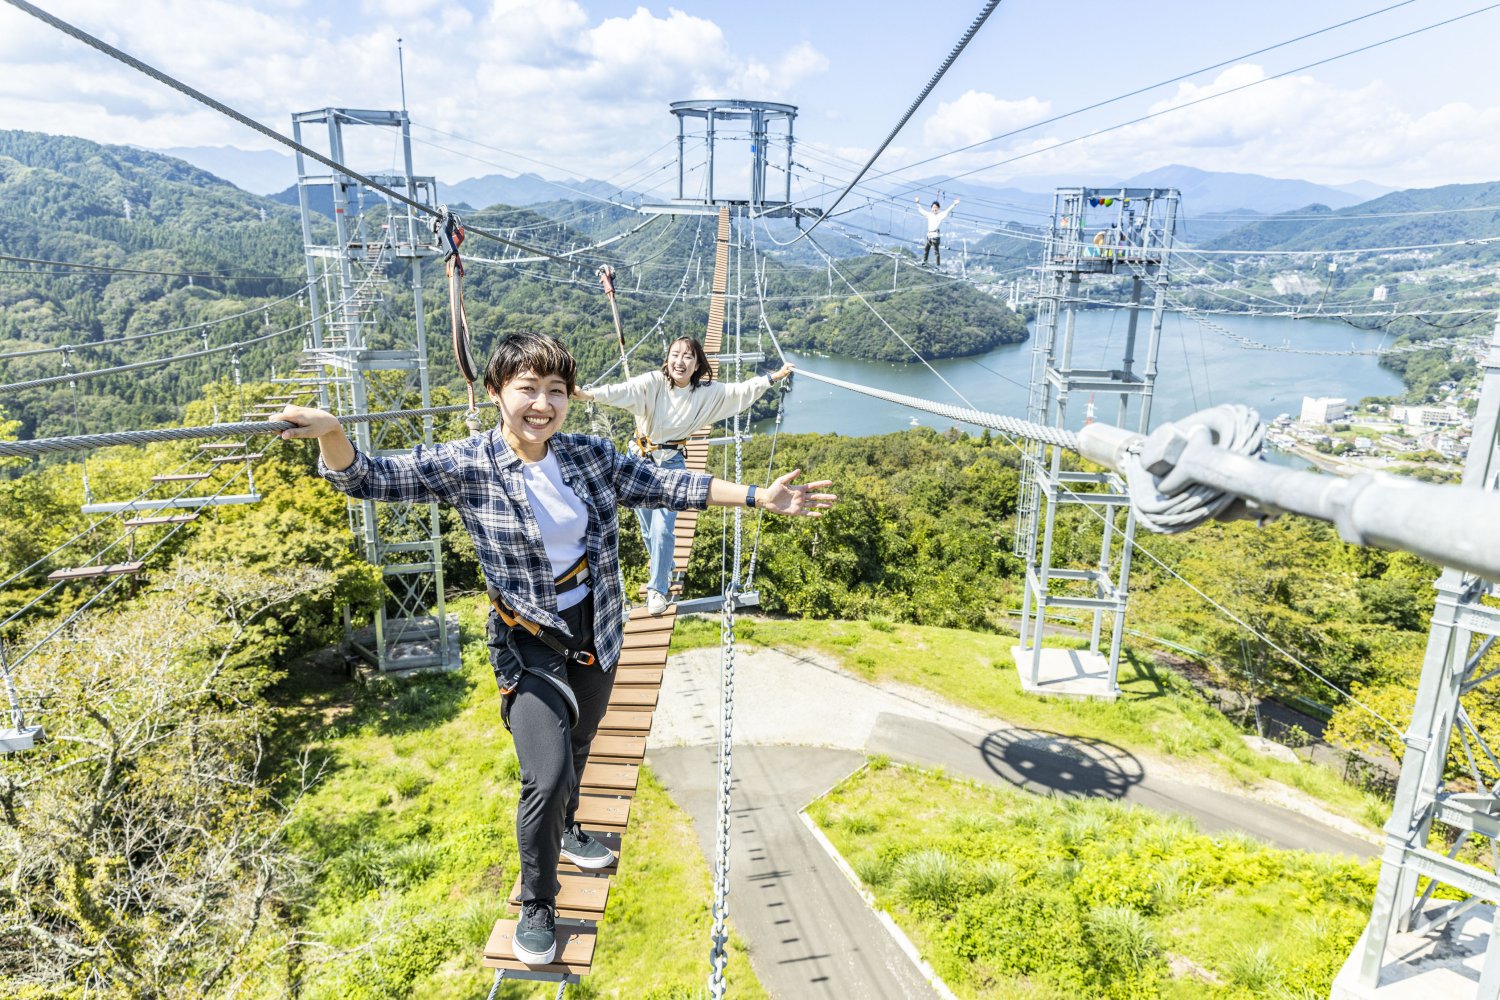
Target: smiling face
{"x": 532, "y": 408}
{"x": 681, "y": 362}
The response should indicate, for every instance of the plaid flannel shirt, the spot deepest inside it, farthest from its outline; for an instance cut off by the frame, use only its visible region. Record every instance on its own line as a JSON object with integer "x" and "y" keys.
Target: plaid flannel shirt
{"x": 481, "y": 477}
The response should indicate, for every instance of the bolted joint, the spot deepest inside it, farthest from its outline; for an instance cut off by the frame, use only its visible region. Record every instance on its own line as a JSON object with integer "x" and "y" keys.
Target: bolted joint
{"x": 1162, "y": 449}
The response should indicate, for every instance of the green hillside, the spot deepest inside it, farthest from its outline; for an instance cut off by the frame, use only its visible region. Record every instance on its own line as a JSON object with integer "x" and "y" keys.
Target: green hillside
{"x": 66, "y": 199}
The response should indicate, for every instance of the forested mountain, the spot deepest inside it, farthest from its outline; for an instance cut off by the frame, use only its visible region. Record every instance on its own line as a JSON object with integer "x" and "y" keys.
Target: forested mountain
{"x": 66, "y": 199}
{"x": 1457, "y": 212}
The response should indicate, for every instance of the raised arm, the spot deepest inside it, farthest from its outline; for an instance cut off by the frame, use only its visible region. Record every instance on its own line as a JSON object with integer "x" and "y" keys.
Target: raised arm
{"x": 781, "y": 497}
{"x": 425, "y": 475}
{"x": 627, "y": 395}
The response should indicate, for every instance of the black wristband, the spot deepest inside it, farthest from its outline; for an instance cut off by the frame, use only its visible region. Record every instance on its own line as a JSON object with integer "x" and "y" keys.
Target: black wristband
{"x": 750, "y": 497}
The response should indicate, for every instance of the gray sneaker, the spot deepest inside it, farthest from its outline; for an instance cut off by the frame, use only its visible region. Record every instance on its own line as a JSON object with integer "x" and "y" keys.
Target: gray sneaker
{"x": 583, "y": 850}
{"x": 535, "y": 941}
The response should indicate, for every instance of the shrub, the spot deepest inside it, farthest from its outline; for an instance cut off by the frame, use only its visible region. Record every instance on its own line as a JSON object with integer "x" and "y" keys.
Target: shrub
{"x": 929, "y": 876}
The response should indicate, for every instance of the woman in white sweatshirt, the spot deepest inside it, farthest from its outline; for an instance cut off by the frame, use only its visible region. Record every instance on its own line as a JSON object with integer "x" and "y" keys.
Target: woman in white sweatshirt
{"x": 669, "y": 405}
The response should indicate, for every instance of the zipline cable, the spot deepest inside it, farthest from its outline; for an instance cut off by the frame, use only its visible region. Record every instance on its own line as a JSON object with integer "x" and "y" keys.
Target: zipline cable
{"x": 245, "y": 120}
{"x": 973, "y": 29}
{"x": 1209, "y": 97}
{"x": 1141, "y": 90}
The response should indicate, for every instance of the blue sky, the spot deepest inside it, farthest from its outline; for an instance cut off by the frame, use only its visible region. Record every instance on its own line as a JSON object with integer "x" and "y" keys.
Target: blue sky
{"x": 584, "y": 85}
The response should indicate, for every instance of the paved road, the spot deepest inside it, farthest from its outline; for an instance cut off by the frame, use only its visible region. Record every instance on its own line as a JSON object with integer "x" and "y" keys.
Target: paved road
{"x": 1051, "y": 764}
{"x": 809, "y": 932}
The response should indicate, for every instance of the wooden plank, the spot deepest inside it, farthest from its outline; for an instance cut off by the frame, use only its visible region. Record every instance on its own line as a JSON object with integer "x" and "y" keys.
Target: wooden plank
{"x": 575, "y": 950}
{"x": 616, "y": 779}
{"x": 237, "y": 458}
{"x": 617, "y": 748}
{"x": 638, "y": 624}
{"x": 622, "y": 723}
{"x": 648, "y": 640}
{"x": 141, "y": 522}
{"x": 182, "y": 477}
{"x": 94, "y": 572}
{"x": 221, "y": 445}
{"x": 580, "y": 897}
{"x": 603, "y": 812}
{"x": 634, "y": 699}
{"x": 643, "y": 657}
{"x": 638, "y": 676}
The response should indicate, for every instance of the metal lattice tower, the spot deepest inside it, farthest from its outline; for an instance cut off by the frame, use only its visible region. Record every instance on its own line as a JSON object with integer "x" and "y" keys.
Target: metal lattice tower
{"x": 1096, "y": 233}
{"x": 355, "y": 374}
{"x": 1408, "y": 929}
{"x": 734, "y": 120}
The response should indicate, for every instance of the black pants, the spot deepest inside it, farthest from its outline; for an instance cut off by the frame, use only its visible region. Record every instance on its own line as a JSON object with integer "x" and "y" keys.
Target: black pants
{"x": 934, "y": 245}
{"x": 551, "y": 747}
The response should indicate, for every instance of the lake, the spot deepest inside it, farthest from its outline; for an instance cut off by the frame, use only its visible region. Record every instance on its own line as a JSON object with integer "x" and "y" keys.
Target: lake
{"x": 1198, "y": 369}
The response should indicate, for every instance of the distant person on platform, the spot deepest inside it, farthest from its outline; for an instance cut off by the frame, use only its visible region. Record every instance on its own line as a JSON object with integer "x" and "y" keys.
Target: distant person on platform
{"x": 935, "y": 216}
{"x": 541, "y": 509}
{"x": 669, "y": 405}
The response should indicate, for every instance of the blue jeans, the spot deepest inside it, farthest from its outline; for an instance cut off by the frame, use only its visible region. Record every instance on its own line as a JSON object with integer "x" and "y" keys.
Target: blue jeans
{"x": 657, "y": 525}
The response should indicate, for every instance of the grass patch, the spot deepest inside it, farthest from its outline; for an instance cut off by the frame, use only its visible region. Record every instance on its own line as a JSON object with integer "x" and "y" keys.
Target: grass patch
{"x": 1010, "y": 895}
{"x": 411, "y": 836}
{"x": 1157, "y": 709}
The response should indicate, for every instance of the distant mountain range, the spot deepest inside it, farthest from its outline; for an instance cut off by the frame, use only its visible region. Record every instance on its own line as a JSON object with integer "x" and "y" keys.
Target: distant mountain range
{"x": 1203, "y": 191}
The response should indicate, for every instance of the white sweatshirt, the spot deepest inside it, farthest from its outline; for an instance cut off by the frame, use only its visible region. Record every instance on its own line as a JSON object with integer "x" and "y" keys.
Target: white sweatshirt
{"x": 665, "y": 413}
{"x": 935, "y": 220}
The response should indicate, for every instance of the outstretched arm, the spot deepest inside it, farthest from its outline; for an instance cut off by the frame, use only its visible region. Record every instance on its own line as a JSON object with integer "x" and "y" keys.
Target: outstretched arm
{"x": 781, "y": 497}
{"x": 338, "y": 452}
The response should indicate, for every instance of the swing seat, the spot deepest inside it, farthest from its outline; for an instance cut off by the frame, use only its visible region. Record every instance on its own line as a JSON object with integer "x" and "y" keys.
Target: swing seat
{"x": 24, "y": 738}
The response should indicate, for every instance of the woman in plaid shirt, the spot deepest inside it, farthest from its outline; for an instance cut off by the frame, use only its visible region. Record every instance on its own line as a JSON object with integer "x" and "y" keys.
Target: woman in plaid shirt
{"x": 542, "y": 508}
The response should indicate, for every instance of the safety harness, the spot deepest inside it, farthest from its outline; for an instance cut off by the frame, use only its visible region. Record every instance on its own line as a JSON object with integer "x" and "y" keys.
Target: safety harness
{"x": 450, "y": 234}
{"x": 647, "y": 446}
{"x": 576, "y": 576}
{"x": 607, "y": 279}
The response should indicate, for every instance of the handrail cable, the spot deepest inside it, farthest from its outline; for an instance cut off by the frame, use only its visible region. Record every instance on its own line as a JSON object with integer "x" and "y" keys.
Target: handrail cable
{"x": 73, "y": 615}
{"x": 868, "y": 305}
{"x": 90, "y": 344}
{"x": 78, "y": 266}
{"x": 1012, "y": 428}
{"x": 72, "y": 376}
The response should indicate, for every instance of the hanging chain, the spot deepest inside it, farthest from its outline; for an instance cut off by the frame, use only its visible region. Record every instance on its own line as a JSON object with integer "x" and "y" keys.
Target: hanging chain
{"x": 719, "y": 957}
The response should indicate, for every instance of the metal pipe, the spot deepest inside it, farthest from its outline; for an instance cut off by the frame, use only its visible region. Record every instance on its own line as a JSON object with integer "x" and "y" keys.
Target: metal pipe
{"x": 1457, "y": 526}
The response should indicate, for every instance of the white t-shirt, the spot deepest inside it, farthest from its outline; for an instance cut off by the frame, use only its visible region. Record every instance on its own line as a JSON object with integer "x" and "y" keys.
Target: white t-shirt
{"x": 935, "y": 220}
{"x": 663, "y": 412}
{"x": 562, "y": 518}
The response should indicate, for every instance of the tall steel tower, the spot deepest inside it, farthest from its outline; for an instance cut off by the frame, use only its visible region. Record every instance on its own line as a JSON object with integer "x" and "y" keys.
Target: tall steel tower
{"x": 761, "y": 125}
{"x": 359, "y": 369}
{"x": 1417, "y": 945}
{"x": 1096, "y": 233}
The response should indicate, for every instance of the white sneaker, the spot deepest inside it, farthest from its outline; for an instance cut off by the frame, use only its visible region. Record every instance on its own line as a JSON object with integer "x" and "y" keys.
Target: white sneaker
{"x": 656, "y": 602}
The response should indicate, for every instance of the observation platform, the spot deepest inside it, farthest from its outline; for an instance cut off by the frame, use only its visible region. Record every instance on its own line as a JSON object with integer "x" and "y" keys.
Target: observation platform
{"x": 1423, "y": 965}
{"x": 740, "y": 208}
{"x": 1066, "y": 673}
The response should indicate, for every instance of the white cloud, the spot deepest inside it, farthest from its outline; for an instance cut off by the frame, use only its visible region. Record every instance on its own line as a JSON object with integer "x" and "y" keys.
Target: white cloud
{"x": 976, "y": 116}
{"x": 1297, "y": 126}
{"x": 542, "y": 77}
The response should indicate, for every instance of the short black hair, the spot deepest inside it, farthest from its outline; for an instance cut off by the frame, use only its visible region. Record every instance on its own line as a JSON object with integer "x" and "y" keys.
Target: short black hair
{"x": 529, "y": 352}
{"x": 936, "y": 205}
{"x": 702, "y": 370}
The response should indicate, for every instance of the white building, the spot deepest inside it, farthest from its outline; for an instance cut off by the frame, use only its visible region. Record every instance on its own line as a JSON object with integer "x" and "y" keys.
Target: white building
{"x": 1323, "y": 409}
{"x": 1379, "y": 294}
{"x": 1426, "y": 416}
